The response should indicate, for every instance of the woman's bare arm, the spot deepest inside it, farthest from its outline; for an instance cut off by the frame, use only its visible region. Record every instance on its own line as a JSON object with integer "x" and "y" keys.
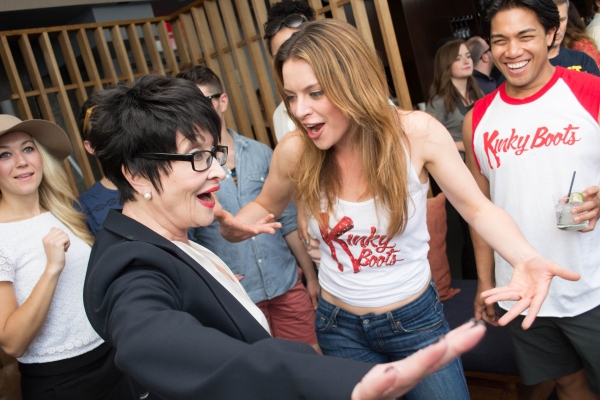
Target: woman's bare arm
{"x": 20, "y": 325}
{"x": 274, "y": 197}
{"x": 432, "y": 150}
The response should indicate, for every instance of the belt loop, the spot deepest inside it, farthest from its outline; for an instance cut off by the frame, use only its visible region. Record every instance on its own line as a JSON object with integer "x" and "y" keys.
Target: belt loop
{"x": 392, "y": 321}
{"x": 334, "y": 316}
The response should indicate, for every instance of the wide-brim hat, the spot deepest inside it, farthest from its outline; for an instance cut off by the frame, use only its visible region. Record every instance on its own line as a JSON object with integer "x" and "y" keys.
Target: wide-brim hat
{"x": 48, "y": 134}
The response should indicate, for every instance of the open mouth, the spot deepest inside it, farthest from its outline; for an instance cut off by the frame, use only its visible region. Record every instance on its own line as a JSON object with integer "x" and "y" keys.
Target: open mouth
{"x": 206, "y": 198}
{"x": 314, "y": 130}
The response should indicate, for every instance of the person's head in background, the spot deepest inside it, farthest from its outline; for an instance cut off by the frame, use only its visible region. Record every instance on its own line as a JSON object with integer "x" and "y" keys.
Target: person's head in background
{"x": 210, "y": 85}
{"x": 453, "y": 76}
{"x": 576, "y": 30}
{"x": 481, "y": 55}
{"x": 86, "y": 117}
{"x": 563, "y": 12}
{"x": 520, "y": 33}
{"x": 283, "y": 19}
{"x": 85, "y": 121}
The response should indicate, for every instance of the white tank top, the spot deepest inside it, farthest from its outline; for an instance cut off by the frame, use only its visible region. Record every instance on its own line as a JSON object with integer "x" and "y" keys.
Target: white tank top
{"x": 528, "y": 150}
{"x": 360, "y": 264}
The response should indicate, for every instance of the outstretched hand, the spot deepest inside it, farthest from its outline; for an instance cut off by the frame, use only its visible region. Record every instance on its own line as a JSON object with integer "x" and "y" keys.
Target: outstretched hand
{"x": 389, "y": 381}
{"x": 528, "y": 286}
{"x": 235, "y": 230}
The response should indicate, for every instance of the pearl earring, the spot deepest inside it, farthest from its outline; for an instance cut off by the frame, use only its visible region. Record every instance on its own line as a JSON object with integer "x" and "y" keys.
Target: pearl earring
{"x": 148, "y": 196}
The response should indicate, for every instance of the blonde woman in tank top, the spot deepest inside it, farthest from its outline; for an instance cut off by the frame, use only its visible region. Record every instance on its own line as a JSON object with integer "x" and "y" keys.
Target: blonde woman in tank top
{"x": 360, "y": 169}
{"x": 44, "y": 251}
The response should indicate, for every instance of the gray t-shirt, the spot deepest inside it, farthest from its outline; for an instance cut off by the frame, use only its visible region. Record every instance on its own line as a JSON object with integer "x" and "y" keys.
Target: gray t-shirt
{"x": 452, "y": 122}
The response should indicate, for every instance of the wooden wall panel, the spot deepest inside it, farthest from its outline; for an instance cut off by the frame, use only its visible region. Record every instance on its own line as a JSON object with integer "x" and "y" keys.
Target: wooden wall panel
{"x": 110, "y": 73}
{"x": 35, "y": 78}
{"x": 14, "y": 79}
{"x": 236, "y": 97}
{"x": 88, "y": 59}
{"x": 72, "y": 67}
{"x": 211, "y": 60}
{"x": 150, "y": 42}
{"x": 168, "y": 52}
{"x": 65, "y": 106}
{"x": 261, "y": 69}
{"x": 136, "y": 50}
{"x": 243, "y": 70}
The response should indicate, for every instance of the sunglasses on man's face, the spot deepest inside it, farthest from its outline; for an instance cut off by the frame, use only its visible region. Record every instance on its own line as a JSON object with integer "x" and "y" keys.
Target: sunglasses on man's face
{"x": 291, "y": 21}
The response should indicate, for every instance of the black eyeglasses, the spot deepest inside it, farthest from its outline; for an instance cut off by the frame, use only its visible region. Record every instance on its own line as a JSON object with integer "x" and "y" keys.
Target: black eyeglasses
{"x": 201, "y": 160}
{"x": 291, "y": 21}
{"x": 216, "y": 96}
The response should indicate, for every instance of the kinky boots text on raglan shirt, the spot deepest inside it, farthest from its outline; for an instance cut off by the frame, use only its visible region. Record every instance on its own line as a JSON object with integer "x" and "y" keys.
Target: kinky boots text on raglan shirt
{"x": 528, "y": 149}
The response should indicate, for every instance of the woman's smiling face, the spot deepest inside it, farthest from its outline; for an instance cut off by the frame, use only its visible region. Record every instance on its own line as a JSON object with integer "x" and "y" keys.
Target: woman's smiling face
{"x": 21, "y": 169}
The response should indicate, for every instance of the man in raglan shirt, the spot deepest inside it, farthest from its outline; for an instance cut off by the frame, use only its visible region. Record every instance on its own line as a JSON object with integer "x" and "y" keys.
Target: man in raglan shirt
{"x": 523, "y": 143}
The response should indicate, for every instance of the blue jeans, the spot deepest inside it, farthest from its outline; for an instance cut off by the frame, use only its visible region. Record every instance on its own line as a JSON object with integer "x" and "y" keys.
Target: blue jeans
{"x": 393, "y": 336}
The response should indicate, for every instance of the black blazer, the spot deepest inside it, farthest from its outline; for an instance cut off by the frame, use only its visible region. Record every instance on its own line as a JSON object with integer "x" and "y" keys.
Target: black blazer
{"x": 182, "y": 335}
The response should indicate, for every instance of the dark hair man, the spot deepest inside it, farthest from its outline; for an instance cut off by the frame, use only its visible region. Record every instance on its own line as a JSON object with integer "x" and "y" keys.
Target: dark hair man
{"x": 482, "y": 64}
{"x": 523, "y": 145}
{"x": 272, "y": 278}
{"x": 571, "y": 59}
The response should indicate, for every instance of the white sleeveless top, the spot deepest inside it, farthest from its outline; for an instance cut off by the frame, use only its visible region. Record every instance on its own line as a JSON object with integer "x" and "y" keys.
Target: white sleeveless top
{"x": 208, "y": 260}
{"x": 528, "y": 150}
{"x": 66, "y": 333}
{"x": 360, "y": 264}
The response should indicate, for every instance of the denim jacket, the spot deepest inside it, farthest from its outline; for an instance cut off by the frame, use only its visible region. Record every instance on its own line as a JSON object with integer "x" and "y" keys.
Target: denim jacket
{"x": 267, "y": 262}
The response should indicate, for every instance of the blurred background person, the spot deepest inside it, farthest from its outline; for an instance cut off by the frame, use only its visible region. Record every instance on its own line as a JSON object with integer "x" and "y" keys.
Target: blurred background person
{"x": 577, "y": 38}
{"x": 566, "y": 57}
{"x": 44, "y": 251}
{"x": 454, "y": 89}
{"x": 482, "y": 64}
{"x": 593, "y": 28}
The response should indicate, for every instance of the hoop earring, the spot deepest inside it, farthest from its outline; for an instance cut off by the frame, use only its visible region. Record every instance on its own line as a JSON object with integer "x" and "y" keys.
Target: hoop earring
{"x": 148, "y": 196}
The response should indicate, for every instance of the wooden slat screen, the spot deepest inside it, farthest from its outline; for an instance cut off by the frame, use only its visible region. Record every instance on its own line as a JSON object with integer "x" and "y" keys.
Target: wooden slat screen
{"x": 52, "y": 71}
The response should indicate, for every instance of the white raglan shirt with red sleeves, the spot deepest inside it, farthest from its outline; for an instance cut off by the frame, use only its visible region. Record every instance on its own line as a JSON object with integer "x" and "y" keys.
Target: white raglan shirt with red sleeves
{"x": 528, "y": 149}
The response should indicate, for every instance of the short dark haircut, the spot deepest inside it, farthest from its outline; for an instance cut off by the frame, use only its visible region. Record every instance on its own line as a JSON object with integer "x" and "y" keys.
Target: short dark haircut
{"x": 283, "y": 9}
{"x": 476, "y": 48}
{"x": 546, "y": 11}
{"x": 201, "y": 75}
{"x": 144, "y": 118}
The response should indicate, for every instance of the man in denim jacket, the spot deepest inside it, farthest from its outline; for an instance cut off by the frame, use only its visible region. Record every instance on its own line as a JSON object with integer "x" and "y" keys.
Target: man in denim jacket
{"x": 267, "y": 265}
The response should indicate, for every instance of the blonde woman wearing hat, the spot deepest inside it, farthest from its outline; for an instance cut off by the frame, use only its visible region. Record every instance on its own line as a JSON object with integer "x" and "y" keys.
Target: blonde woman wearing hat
{"x": 44, "y": 250}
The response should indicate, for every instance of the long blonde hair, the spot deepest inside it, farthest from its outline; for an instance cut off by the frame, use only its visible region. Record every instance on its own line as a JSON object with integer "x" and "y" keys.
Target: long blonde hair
{"x": 57, "y": 196}
{"x": 352, "y": 77}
